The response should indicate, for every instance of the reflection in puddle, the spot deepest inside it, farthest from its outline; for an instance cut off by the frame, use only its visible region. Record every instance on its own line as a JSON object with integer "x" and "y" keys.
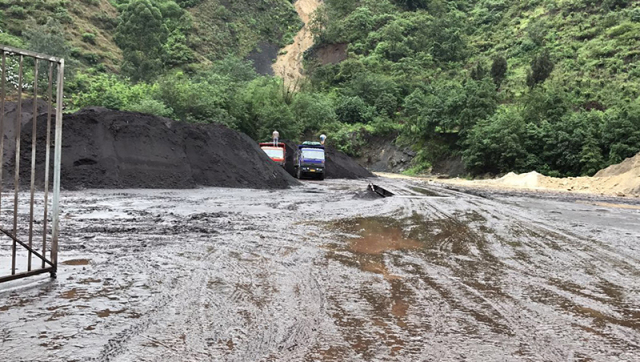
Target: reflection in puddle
{"x": 378, "y": 236}
{"x": 391, "y": 309}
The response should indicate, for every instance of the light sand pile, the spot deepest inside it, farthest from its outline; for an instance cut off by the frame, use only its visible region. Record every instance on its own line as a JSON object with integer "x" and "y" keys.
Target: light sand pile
{"x": 528, "y": 180}
{"x": 627, "y": 167}
{"x": 622, "y": 179}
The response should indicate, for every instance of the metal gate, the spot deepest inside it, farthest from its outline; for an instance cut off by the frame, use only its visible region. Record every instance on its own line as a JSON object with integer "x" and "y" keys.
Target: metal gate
{"x": 27, "y": 234}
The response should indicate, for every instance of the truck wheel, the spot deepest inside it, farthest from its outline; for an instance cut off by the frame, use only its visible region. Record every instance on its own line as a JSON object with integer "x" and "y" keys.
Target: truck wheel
{"x": 321, "y": 177}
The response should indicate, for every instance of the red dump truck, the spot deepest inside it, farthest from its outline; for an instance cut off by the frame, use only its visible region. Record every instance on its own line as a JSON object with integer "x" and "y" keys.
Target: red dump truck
{"x": 275, "y": 151}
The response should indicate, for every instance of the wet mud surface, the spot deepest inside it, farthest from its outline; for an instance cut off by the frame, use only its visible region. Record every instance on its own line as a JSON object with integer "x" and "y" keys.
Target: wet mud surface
{"x": 315, "y": 273}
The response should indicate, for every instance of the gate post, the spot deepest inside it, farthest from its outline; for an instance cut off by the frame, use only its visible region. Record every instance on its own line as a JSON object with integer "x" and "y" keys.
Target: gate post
{"x": 11, "y": 56}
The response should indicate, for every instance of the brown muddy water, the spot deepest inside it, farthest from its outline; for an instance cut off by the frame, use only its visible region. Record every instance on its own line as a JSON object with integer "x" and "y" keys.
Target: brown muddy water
{"x": 316, "y": 273}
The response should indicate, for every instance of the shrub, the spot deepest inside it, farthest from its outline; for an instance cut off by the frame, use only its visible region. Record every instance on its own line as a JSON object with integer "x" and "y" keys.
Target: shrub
{"x": 150, "y": 106}
{"x": 89, "y": 38}
{"x": 111, "y": 92}
{"x": 92, "y": 58}
{"x": 16, "y": 11}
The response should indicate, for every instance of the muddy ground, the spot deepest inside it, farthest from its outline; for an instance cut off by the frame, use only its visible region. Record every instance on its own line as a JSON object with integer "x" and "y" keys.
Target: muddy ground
{"x": 322, "y": 272}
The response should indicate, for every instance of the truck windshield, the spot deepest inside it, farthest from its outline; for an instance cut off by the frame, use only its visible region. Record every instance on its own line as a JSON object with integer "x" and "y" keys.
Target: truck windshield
{"x": 313, "y": 154}
{"x": 274, "y": 152}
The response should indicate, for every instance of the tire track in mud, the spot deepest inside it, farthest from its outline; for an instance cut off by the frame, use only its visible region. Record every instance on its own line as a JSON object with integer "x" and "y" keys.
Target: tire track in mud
{"x": 513, "y": 316}
{"x": 255, "y": 275}
{"x": 242, "y": 296}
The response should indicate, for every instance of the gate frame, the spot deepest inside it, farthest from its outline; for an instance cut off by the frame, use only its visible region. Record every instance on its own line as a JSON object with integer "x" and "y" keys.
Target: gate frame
{"x": 55, "y": 211}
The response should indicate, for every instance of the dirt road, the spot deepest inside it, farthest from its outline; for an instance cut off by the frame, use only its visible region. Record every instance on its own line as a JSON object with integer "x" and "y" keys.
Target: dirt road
{"x": 322, "y": 272}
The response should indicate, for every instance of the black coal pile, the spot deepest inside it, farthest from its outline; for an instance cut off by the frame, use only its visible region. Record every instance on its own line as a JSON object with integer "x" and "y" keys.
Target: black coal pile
{"x": 103, "y": 148}
{"x": 339, "y": 165}
{"x": 9, "y": 126}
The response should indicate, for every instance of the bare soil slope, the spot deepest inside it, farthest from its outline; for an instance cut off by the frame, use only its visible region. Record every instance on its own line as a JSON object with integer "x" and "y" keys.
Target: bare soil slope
{"x": 289, "y": 63}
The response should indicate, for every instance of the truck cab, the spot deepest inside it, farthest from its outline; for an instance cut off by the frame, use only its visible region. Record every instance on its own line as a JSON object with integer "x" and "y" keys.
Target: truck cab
{"x": 275, "y": 151}
{"x": 310, "y": 161}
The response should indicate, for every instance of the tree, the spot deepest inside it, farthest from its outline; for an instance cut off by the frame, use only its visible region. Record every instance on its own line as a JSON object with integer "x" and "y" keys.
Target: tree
{"x": 591, "y": 158}
{"x": 413, "y": 5}
{"x": 479, "y": 102}
{"x": 478, "y": 72}
{"x": 495, "y": 145}
{"x": 197, "y": 100}
{"x": 313, "y": 110}
{"x": 175, "y": 51}
{"x": 541, "y": 68}
{"x": 47, "y": 39}
{"x": 260, "y": 108}
{"x": 499, "y": 70}
{"x": 141, "y": 35}
{"x": 621, "y": 132}
{"x": 353, "y": 110}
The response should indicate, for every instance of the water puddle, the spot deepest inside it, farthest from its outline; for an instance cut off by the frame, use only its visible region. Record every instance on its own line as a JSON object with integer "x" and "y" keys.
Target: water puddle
{"x": 423, "y": 191}
{"x": 391, "y": 307}
{"x": 76, "y": 262}
{"x": 108, "y": 312}
{"x": 90, "y": 281}
{"x": 613, "y": 206}
{"x": 378, "y": 235}
{"x": 70, "y": 294}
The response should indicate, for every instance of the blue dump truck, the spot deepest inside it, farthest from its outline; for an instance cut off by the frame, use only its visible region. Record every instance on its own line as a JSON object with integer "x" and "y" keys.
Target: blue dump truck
{"x": 310, "y": 161}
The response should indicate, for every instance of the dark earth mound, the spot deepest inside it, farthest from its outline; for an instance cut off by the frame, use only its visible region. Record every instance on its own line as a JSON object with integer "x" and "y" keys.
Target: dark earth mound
{"x": 113, "y": 149}
{"x": 9, "y": 127}
{"x": 338, "y": 164}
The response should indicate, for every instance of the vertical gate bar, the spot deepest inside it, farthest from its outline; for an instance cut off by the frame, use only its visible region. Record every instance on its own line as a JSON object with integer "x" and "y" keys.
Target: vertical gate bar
{"x": 2, "y": 94}
{"x": 16, "y": 183}
{"x": 46, "y": 164}
{"x": 56, "y": 169}
{"x": 34, "y": 121}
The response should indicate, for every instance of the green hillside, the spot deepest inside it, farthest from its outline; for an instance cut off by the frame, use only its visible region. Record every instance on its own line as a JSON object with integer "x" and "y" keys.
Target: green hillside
{"x": 551, "y": 86}
{"x": 197, "y": 31}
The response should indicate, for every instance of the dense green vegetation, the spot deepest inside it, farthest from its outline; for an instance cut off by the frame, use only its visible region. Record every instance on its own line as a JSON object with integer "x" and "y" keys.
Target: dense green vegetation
{"x": 551, "y": 86}
{"x": 542, "y": 85}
